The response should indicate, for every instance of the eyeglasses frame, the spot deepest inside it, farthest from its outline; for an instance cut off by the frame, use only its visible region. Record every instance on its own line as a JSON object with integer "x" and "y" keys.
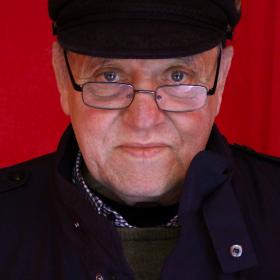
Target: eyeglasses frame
{"x": 79, "y": 88}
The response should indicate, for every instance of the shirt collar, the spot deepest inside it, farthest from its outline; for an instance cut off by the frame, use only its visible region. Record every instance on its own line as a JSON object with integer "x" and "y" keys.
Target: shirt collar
{"x": 102, "y": 208}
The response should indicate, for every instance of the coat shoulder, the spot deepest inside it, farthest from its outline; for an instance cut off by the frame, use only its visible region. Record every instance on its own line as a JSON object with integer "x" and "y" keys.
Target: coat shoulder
{"x": 256, "y": 181}
{"x": 257, "y": 171}
{"x": 251, "y": 154}
{"x": 17, "y": 176}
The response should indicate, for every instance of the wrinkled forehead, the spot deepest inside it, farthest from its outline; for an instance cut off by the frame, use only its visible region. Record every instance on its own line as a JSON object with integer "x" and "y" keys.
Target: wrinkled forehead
{"x": 196, "y": 61}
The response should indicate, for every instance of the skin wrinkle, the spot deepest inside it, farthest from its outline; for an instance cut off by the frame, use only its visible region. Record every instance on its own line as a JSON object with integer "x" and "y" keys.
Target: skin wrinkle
{"x": 85, "y": 66}
{"x": 101, "y": 133}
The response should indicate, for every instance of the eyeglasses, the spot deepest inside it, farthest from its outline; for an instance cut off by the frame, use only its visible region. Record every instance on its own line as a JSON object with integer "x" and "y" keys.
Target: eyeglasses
{"x": 171, "y": 98}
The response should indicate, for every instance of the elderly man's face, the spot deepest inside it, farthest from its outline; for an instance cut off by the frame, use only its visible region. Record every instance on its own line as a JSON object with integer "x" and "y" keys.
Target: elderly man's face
{"x": 141, "y": 153}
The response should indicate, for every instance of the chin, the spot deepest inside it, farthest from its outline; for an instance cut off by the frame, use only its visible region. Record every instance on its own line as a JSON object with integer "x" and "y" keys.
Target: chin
{"x": 146, "y": 191}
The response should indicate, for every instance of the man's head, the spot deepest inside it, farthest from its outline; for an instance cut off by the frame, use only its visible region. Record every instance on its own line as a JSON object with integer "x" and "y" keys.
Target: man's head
{"x": 142, "y": 152}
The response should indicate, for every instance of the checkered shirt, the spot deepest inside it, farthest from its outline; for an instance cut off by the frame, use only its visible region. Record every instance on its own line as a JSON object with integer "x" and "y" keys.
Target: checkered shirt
{"x": 101, "y": 207}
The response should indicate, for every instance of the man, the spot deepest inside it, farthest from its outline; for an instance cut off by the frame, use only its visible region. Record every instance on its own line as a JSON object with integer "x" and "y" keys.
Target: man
{"x": 143, "y": 185}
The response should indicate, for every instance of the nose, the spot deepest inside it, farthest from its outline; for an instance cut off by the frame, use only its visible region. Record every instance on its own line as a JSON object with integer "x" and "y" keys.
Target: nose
{"x": 143, "y": 113}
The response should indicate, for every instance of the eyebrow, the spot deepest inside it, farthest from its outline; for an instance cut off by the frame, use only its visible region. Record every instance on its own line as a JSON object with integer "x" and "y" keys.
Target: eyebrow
{"x": 188, "y": 60}
{"x": 90, "y": 65}
{"x": 93, "y": 63}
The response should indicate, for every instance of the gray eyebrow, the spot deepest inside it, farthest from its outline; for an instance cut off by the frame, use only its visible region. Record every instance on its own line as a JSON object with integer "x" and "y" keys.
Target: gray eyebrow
{"x": 90, "y": 65}
{"x": 188, "y": 61}
{"x": 193, "y": 62}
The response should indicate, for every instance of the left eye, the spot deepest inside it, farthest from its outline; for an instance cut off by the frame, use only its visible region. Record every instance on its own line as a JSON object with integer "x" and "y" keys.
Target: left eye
{"x": 177, "y": 76}
{"x": 110, "y": 76}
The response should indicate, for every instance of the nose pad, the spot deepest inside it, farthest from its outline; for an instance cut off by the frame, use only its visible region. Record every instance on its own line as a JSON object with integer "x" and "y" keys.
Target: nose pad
{"x": 156, "y": 96}
{"x": 143, "y": 112}
{"x": 150, "y": 93}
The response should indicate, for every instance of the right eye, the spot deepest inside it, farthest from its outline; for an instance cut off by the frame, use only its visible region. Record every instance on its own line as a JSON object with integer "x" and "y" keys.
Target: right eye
{"x": 178, "y": 76}
{"x": 110, "y": 76}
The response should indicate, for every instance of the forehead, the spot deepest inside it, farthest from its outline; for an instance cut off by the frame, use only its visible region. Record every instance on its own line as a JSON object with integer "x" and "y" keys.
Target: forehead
{"x": 197, "y": 60}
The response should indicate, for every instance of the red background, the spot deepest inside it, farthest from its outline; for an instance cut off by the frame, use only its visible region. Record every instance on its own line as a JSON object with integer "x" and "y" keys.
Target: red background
{"x": 31, "y": 119}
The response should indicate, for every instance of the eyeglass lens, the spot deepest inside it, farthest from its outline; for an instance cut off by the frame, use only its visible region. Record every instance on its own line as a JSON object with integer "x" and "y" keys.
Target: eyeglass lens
{"x": 178, "y": 98}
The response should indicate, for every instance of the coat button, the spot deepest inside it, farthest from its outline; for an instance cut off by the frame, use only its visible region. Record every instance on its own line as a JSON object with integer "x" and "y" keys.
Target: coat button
{"x": 99, "y": 277}
{"x": 236, "y": 251}
{"x": 17, "y": 176}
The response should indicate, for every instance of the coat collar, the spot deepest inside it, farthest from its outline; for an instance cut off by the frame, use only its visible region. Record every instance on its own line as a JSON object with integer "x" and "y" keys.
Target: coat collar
{"x": 209, "y": 213}
{"x": 92, "y": 228}
{"x": 210, "y": 217}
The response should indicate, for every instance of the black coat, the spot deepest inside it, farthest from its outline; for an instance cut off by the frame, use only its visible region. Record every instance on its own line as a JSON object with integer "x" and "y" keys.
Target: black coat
{"x": 231, "y": 196}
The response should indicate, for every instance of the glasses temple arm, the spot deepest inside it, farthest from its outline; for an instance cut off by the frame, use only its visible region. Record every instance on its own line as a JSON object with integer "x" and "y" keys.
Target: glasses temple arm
{"x": 75, "y": 85}
{"x": 213, "y": 89}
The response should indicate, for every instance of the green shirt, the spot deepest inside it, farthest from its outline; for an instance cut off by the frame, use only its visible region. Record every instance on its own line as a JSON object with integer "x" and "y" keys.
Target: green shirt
{"x": 147, "y": 248}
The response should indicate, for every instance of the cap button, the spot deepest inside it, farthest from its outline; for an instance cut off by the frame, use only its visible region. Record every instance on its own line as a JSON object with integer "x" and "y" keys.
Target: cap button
{"x": 236, "y": 251}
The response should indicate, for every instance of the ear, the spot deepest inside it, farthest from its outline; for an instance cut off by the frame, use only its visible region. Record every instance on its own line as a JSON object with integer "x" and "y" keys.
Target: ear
{"x": 227, "y": 54}
{"x": 61, "y": 76}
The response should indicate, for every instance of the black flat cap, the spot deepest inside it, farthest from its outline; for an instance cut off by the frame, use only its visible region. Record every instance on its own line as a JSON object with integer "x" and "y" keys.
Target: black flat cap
{"x": 142, "y": 28}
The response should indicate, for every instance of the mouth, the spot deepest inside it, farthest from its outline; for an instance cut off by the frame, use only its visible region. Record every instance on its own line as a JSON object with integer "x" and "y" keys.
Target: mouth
{"x": 139, "y": 150}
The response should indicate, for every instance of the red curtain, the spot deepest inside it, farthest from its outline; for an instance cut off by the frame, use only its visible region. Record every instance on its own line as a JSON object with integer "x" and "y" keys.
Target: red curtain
{"x": 31, "y": 118}
{"x": 250, "y": 113}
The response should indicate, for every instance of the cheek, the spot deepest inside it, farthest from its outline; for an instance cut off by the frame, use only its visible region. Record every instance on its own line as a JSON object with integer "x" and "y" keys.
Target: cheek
{"x": 92, "y": 130}
{"x": 193, "y": 129}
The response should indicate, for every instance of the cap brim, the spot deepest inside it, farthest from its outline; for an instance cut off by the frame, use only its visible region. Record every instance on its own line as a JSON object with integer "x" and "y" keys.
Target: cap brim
{"x": 139, "y": 39}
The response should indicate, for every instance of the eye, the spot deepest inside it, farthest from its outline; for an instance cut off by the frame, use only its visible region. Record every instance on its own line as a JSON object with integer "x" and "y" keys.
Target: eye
{"x": 177, "y": 76}
{"x": 110, "y": 76}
